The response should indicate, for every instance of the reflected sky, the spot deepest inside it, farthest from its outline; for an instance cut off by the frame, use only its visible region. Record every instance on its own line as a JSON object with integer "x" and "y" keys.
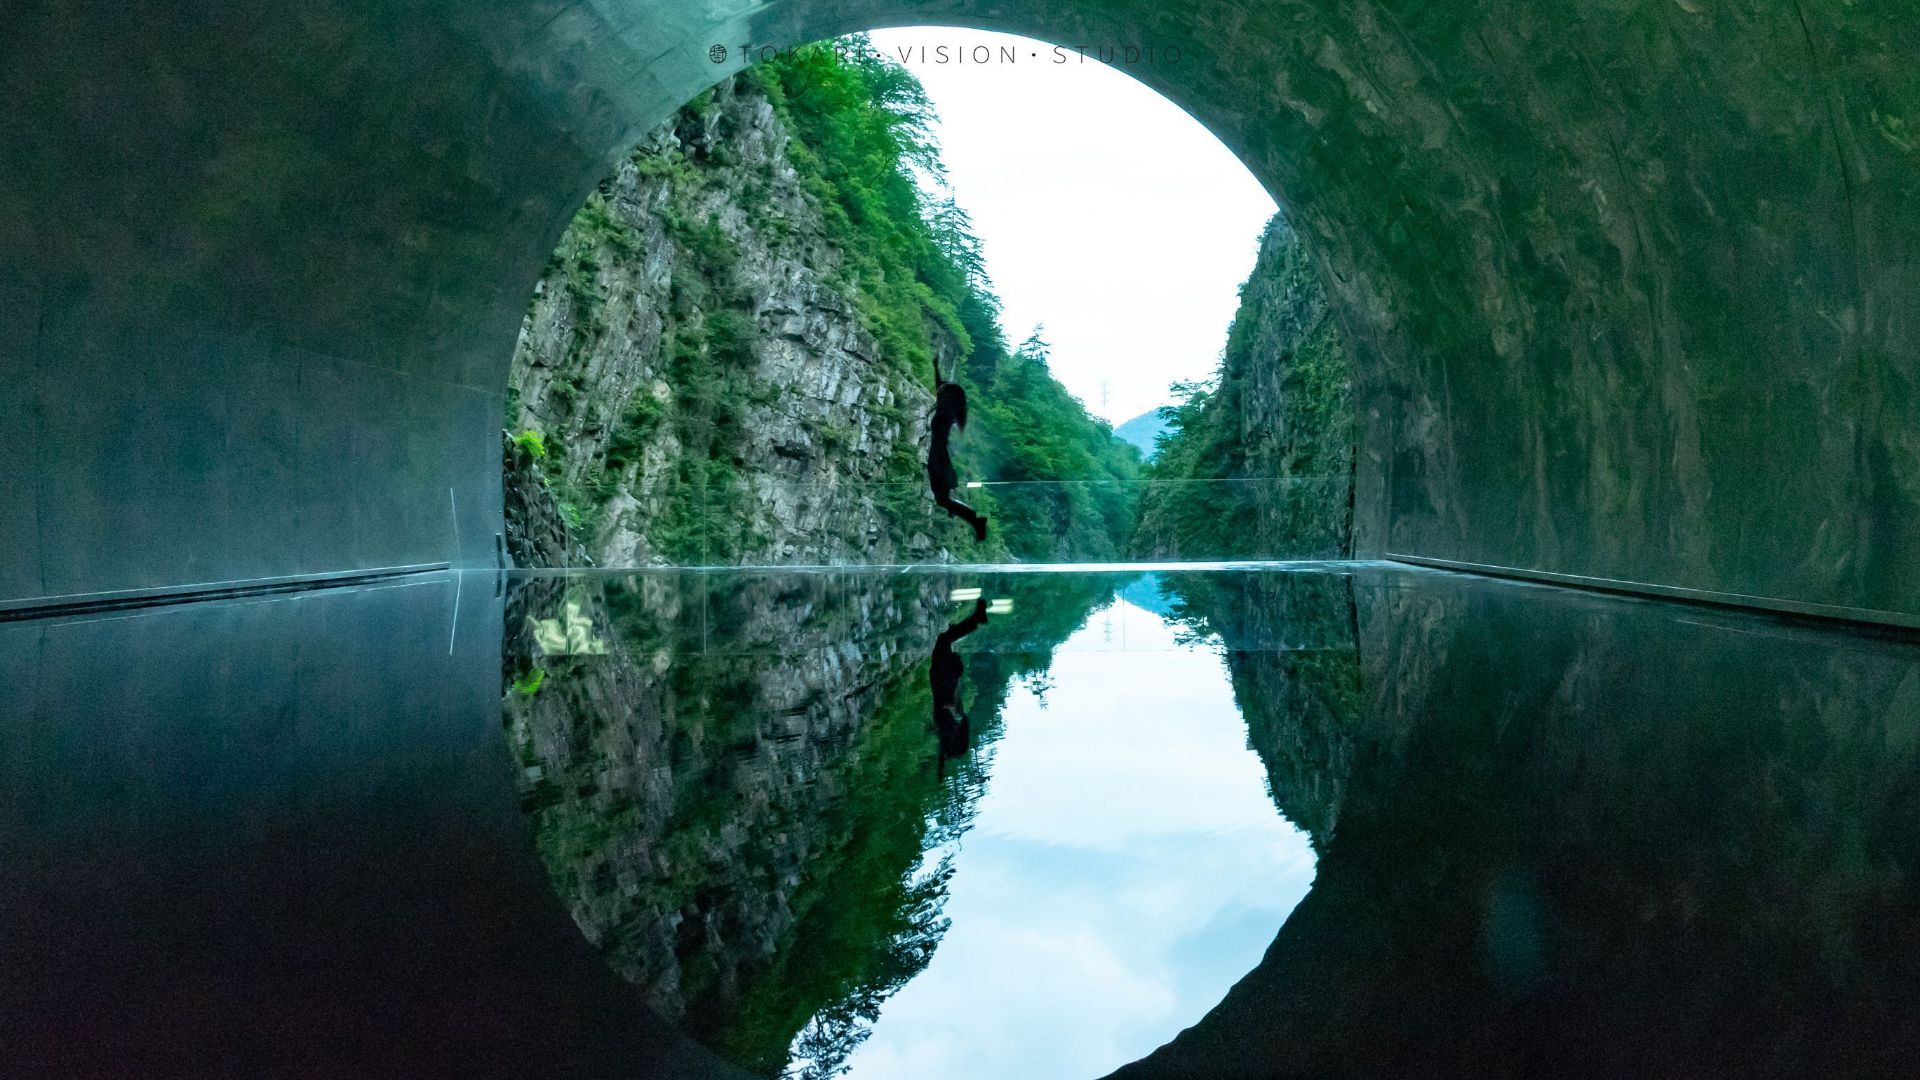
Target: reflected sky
{"x": 1126, "y": 868}
{"x": 1562, "y": 834}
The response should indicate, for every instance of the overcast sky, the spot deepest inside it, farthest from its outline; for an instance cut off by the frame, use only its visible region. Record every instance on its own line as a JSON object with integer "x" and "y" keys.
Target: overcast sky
{"x": 1126, "y": 868}
{"x": 1107, "y": 213}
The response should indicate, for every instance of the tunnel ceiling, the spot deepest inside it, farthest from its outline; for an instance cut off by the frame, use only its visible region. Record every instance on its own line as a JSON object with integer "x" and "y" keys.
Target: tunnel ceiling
{"x": 1631, "y": 285}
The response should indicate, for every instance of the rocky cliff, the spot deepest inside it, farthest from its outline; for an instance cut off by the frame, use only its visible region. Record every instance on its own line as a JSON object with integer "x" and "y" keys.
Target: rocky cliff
{"x": 1291, "y": 647}
{"x": 1275, "y": 430}
{"x": 735, "y": 782}
{"x": 697, "y": 367}
{"x": 700, "y": 801}
{"x": 537, "y": 534}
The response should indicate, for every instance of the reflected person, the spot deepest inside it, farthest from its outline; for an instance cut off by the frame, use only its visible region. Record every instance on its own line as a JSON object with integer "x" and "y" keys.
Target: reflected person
{"x": 949, "y": 412}
{"x": 951, "y": 724}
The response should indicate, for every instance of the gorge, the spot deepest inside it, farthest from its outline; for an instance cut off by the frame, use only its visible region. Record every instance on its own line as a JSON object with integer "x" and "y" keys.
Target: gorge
{"x": 472, "y": 604}
{"x": 731, "y": 355}
{"x": 730, "y": 360}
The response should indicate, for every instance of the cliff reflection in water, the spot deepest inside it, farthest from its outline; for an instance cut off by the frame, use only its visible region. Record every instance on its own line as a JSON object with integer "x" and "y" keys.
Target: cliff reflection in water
{"x": 737, "y": 788}
{"x": 1566, "y": 834}
{"x": 1556, "y": 833}
{"x": 1551, "y": 833}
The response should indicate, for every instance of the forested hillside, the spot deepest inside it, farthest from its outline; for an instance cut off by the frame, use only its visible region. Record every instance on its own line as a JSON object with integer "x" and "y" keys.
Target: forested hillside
{"x": 731, "y": 356}
{"x": 1258, "y": 463}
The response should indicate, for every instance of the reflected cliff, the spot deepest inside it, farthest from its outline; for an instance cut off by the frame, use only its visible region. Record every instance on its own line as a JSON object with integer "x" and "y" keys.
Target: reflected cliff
{"x": 433, "y": 829}
{"x": 1564, "y": 834}
{"x": 741, "y": 785}
{"x": 1555, "y": 833}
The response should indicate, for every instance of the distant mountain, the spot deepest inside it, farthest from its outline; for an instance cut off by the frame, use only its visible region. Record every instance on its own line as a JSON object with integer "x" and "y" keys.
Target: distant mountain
{"x": 1142, "y": 430}
{"x": 1144, "y": 592}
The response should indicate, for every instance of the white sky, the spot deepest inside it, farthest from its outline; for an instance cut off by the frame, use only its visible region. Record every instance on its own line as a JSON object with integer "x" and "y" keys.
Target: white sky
{"x": 1107, "y": 213}
{"x": 1126, "y": 868}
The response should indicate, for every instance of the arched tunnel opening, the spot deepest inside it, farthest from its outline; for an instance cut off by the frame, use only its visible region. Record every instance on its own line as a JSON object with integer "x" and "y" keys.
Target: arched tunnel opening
{"x": 1578, "y": 744}
{"x": 731, "y": 360}
{"x": 731, "y": 357}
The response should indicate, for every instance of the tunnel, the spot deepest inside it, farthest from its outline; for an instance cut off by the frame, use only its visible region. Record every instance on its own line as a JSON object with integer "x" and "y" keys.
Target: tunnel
{"x": 1632, "y": 293}
{"x": 1631, "y": 289}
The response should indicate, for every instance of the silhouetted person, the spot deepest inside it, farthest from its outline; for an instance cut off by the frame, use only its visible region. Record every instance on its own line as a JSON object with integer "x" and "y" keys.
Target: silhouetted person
{"x": 949, "y": 412}
{"x": 951, "y": 725}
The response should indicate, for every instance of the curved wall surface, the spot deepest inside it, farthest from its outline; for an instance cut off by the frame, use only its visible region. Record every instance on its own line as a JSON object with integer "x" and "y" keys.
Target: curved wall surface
{"x": 1632, "y": 286}
{"x": 297, "y": 850}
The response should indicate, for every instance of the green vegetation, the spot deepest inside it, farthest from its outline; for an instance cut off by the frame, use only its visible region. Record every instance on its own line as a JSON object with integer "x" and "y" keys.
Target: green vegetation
{"x": 532, "y": 443}
{"x": 528, "y": 683}
{"x": 870, "y": 909}
{"x": 1033, "y": 434}
{"x": 860, "y": 139}
{"x": 1258, "y": 462}
{"x": 861, "y": 127}
{"x": 854, "y": 853}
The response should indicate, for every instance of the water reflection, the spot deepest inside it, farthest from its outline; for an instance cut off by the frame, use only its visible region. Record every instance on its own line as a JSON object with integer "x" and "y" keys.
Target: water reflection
{"x": 742, "y": 800}
{"x": 950, "y": 720}
{"x": 277, "y": 838}
{"x": 1564, "y": 834}
{"x": 429, "y": 830}
{"x": 1556, "y": 832}
{"x": 1125, "y": 868}
{"x": 754, "y": 819}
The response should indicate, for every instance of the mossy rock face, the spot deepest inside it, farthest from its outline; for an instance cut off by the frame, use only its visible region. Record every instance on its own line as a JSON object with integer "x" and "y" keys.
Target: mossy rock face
{"x": 1259, "y": 464}
{"x": 732, "y": 348}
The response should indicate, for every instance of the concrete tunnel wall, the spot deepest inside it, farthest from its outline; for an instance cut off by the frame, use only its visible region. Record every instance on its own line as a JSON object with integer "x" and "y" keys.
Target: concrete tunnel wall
{"x": 1631, "y": 285}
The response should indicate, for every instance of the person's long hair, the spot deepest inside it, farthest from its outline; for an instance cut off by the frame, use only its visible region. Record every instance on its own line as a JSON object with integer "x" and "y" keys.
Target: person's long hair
{"x": 950, "y": 405}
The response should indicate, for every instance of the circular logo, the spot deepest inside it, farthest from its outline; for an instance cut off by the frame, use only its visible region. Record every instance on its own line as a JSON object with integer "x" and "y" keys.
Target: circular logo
{"x": 717, "y": 54}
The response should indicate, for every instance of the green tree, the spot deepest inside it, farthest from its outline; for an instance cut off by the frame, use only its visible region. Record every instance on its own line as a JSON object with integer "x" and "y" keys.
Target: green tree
{"x": 1058, "y": 485}
{"x": 1257, "y": 461}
